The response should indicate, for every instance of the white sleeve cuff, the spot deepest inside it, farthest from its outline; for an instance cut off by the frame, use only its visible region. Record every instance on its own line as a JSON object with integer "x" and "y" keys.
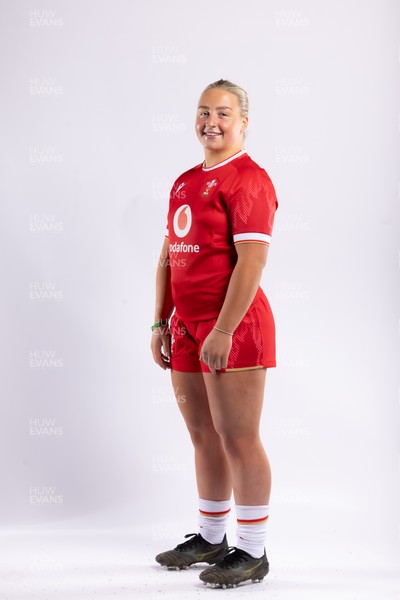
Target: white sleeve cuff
{"x": 251, "y": 237}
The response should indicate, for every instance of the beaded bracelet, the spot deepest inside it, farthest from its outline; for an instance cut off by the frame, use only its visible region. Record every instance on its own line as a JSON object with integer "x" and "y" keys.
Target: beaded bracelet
{"x": 222, "y": 331}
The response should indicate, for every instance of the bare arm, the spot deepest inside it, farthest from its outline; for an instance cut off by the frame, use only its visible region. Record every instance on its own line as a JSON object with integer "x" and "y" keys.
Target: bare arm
{"x": 242, "y": 288}
{"x": 243, "y": 284}
{"x": 160, "y": 339}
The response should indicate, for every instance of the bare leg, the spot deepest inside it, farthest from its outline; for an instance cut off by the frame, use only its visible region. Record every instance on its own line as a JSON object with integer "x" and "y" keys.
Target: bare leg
{"x": 212, "y": 468}
{"x": 235, "y": 401}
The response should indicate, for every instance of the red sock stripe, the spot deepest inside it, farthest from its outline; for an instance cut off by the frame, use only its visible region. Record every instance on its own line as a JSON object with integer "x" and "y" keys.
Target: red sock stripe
{"x": 252, "y": 521}
{"x": 214, "y": 514}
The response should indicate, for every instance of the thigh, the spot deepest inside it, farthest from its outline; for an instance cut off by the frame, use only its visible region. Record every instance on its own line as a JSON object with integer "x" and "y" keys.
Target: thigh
{"x": 191, "y": 395}
{"x": 184, "y": 348}
{"x": 236, "y": 401}
{"x": 253, "y": 342}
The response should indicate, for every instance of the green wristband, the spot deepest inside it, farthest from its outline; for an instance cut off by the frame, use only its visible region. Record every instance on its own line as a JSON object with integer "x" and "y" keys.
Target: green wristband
{"x": 159, "y": 324}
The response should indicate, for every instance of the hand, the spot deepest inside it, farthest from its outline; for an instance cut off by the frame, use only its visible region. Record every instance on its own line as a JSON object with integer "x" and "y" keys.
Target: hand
{"x": 215, "y": 350}
{"x": 161, "y": 347}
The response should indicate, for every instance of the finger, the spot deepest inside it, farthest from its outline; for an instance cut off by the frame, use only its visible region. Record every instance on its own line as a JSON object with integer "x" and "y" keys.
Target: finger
{"x": 161, "y": 348}
{"x": 160, "y": 363}
{"x": 224, "y": 362}
{"x": 156, "y": 351}
{"x": 217, "y": 364}
{"x": 211, "y": 366}
{"x": 166, "y": 344}
{"x": 166, "y": 365}
{"x": 166, "y": 359}
{"x": 161, "y": 360}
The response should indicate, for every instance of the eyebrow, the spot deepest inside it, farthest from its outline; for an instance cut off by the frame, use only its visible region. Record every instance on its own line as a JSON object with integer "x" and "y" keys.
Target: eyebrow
{"x": 218, "y": 107}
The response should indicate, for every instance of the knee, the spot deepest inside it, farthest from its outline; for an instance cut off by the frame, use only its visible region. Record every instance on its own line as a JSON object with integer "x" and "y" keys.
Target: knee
{"x": 203, "y": 435}
{"x": 240, "y": 445}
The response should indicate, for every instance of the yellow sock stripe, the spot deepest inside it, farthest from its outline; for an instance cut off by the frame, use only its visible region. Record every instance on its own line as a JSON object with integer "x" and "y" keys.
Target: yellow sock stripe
{"x": 214, "y": 514}
{"x": 252, "y": 521}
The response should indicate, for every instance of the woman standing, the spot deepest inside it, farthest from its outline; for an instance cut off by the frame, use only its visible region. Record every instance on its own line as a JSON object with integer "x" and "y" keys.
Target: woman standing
{"x": 221, "y": 338}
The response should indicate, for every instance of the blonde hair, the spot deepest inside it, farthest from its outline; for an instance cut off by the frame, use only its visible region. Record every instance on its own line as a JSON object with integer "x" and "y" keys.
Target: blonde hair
{"x": 234, "y": 89}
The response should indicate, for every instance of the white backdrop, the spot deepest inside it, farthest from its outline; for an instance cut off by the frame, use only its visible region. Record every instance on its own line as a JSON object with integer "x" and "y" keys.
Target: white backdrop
{"x": 97, "y": 120}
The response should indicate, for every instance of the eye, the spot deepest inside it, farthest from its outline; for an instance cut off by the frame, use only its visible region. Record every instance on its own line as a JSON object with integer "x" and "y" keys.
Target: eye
{"x": 222, "y": 114}
{"x": 203, "y": 114}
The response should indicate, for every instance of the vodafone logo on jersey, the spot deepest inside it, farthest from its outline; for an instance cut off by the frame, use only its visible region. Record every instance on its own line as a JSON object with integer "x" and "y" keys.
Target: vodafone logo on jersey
{"x": 182, "y": 220}
{"x": 182, "y": 223}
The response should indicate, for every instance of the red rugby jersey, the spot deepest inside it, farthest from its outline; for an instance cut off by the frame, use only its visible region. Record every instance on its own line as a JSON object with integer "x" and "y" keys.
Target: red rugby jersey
{"x": 212, "y": 209}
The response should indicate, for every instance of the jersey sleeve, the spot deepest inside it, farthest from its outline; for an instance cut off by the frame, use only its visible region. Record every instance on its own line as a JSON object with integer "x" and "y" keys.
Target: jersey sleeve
{"x": 251, "y": 207}
{"x": 169, "y": 208}
{"x": 173, "y": 195}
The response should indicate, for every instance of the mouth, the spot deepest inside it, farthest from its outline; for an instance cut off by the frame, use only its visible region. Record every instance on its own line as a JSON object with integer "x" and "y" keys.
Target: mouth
{"x": 211, "y": 134}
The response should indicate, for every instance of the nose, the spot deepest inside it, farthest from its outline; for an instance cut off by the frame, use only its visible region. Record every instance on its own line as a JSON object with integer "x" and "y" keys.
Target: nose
{"x": 211, "y": 120}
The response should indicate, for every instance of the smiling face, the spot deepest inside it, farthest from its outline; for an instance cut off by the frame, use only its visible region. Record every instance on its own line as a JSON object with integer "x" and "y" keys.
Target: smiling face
{"x": 220, "y": 125}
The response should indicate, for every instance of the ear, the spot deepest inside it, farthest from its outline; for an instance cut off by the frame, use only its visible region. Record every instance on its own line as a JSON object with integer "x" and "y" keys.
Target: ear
{"x": 245, "y": 122}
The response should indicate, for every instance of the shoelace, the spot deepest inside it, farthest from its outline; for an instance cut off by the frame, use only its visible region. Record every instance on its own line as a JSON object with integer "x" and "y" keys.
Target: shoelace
{"x": 233, "y": 557}
{"x": 189, "y": 543}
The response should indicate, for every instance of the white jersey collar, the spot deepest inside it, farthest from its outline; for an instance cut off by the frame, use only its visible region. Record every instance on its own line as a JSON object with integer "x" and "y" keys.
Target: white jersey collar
{"x": 224, "y": 162}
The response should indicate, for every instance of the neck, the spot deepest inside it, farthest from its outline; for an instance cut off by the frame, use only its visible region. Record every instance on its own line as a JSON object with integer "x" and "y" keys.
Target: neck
{"x": 213, "y": 158}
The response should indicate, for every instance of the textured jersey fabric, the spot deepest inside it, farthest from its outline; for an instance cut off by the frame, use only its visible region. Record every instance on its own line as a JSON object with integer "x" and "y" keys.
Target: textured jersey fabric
{"x": 210, "y": 211}
{"x": 253, "y": 342}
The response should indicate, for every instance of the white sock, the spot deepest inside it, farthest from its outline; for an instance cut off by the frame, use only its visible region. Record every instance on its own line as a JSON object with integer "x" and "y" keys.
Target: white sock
{"x": 213, "y": 519}
{"x": 252, "y": 528}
